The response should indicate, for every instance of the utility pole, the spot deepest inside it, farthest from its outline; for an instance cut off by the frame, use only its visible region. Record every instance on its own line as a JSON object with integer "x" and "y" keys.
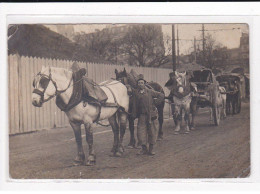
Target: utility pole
{"x": 203, "y": 43}
{"x": 173, "y": 49}
{"x": 195, "y": 50}
{"x": 178, "y": 49}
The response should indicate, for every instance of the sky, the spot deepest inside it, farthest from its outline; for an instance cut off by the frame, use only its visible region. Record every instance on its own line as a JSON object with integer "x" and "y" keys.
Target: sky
{"x": 226, "y": 34}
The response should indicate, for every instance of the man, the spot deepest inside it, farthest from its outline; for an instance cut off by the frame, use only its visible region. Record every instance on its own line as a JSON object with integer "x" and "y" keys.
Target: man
{"x": 146, "y": 114}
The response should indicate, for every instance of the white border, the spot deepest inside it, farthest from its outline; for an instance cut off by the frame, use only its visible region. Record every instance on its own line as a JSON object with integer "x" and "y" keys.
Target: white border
{"x": 134, "y": 13}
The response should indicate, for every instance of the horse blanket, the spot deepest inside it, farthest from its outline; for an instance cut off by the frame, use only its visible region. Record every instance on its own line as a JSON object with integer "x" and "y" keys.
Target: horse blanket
{"x": 84, "y": 89}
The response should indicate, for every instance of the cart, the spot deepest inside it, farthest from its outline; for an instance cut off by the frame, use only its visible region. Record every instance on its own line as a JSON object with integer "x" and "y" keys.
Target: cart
{"x": 232, "y": 83}
{"x": 208, "y": 93}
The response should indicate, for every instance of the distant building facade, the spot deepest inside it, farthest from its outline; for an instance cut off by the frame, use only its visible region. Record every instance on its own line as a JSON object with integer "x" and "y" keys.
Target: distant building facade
{"x": 244, "y": 48}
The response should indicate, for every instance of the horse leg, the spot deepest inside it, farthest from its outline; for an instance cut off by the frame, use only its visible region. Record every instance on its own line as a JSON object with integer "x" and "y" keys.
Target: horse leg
{"x": 115, "y": 128}
{"x": 89, "y": 138}
{"x": 224, "y": 108}
{"x": 193, "y": 110}
{"x": 80, "y": 158}
{"x": 132, "y": 132}
{"x": 160, "y": 119}
{"x": 177, "y": 118}
{"x": 173, "y": 114}
{"x": 187, "y": 117}
{"x": 122, "y": 121}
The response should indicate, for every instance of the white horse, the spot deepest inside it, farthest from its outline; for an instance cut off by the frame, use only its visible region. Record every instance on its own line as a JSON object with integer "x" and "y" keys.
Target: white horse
{"x": 51, "y": 82}
{"x": 223, "y": 103}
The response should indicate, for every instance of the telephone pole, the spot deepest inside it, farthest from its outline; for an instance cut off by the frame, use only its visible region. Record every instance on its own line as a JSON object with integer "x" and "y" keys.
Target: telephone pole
{"x": 178, "y": 49}
{"x": 173, "y": 49}
{"x": 195, "y": 50}
{"x": 203, "y": 44}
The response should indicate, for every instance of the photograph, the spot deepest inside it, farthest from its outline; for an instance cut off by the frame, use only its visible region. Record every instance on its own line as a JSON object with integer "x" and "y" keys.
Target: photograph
{"x": 128, "y": 100}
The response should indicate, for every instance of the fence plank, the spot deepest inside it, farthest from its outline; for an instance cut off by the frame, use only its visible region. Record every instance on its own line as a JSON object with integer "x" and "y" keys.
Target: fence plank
{"x": 16, "y": 94}
{"x": 11, "y": 95}
{"x": 24, "y": 93}
{"x": 20, "y": 102}
{"x": 28, "y": 102}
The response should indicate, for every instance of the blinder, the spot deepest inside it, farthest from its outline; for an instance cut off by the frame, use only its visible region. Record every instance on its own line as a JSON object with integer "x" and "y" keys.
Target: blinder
{"x": 43, "y": 82}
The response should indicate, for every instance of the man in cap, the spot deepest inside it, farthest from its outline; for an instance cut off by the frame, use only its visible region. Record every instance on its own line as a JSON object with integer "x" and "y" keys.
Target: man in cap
{"x": 146, "y": 114}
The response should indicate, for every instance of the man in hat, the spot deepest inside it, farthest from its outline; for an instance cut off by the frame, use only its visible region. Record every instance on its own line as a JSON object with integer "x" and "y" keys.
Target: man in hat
{"x": 146, "y": 114}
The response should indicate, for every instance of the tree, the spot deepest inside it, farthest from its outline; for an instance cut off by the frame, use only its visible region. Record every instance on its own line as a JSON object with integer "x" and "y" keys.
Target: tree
{"x": 215, "y": 53}
{"x": 97, "y": 42}
{"x": 144, "y": 45}
{"x": 137, "y": 45}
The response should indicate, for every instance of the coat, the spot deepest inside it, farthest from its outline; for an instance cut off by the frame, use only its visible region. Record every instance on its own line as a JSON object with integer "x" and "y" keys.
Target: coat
{"x": 149, "y": 106}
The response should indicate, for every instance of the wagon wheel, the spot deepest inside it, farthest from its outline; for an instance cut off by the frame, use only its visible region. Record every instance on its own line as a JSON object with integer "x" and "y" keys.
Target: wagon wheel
{"x": 216, "y": 107}
{"x": 239, "y": 103}
{"x": 216, "y": 114}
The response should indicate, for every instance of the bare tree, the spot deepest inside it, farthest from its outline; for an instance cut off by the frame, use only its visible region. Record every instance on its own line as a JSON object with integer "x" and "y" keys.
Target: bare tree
{"x": 215, "y": 53}
{"x": 144, "y": 45}
{"x": 138, "y": 45}
{"x": 98, "y": 43}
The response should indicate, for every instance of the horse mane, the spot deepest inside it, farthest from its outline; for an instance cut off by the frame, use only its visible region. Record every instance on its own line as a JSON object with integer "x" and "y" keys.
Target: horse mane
{"x": 132, "y": 81}
{"x": 62, "y": 71}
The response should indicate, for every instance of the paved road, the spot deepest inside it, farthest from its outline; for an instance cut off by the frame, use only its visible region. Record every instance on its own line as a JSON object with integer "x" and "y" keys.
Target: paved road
{"x": 207, "y": 152}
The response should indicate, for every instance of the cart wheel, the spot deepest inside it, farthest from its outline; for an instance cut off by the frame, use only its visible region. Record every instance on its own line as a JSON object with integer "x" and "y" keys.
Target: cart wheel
{"x": 216, "y": 114}
{"x": 239, "y": 103}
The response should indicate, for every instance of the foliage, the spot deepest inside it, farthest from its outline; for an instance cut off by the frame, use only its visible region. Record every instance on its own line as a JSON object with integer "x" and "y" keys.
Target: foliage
{"x": 144, "y": 45}
{"x": 215, "y": 53}
{"x": 39, "y": 41}
{"x": 137, "y": 45}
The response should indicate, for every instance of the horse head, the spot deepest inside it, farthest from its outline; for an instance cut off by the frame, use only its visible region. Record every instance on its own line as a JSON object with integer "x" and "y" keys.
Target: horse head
{"x": 181, "y": 80}
{"x": 48, "y": 83}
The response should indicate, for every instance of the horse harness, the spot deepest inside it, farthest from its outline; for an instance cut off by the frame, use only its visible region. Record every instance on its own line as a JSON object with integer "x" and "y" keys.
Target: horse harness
{"x": 115, "y": 105}
{"x": 44, "y": 82}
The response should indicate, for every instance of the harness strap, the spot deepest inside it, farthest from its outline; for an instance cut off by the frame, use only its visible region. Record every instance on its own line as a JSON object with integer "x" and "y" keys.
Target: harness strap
{"x": 37, "y": 91}
{"x": 117, "y": 105}
{"x": 106, "y": 105}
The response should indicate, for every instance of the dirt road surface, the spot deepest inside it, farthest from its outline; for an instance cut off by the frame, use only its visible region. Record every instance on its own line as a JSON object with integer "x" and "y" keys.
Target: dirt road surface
{"x": 207, "y": 152}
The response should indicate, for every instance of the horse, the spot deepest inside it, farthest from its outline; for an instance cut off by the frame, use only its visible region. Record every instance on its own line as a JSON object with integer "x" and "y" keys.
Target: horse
{"x": 125, "y": 78}
{"x": 53, "y": 82}
{"x": 223, "y": 102}
{"x": 182, "y": 100}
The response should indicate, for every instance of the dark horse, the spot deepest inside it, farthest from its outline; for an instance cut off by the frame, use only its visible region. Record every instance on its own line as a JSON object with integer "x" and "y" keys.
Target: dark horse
{"x": 129, "y": 79}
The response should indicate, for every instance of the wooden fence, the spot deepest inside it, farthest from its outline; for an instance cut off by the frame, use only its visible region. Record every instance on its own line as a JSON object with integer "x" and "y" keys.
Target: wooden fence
{"x": 24, "y": 117}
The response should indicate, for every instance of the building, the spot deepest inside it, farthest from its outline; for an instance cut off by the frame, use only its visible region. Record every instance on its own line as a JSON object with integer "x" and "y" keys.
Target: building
{"x": 244, "y": 48}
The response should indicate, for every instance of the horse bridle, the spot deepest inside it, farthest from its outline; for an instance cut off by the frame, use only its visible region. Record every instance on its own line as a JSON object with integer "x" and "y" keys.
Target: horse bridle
{"x": 48, "y": 79}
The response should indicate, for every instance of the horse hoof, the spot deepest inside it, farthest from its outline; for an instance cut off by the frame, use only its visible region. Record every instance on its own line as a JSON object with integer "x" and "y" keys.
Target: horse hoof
{"x": 121, "y": 149}
{"x": 151, "y": 153}
{"x": 78, "y": 163}
{"x": 90, "y": 163}
{"x": 113, "y": 149}
{"x": 130, "y": 147}
{"x": 192, "y": 128}
{"x": 186, "y": 132}
{"x": 159, "y": 138}
{"x": 117, "y": 154}
{"x": 176, "y": 133}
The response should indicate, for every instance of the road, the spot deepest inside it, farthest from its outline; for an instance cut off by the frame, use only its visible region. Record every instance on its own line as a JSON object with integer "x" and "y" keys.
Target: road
{"x": 207, "y": 152}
